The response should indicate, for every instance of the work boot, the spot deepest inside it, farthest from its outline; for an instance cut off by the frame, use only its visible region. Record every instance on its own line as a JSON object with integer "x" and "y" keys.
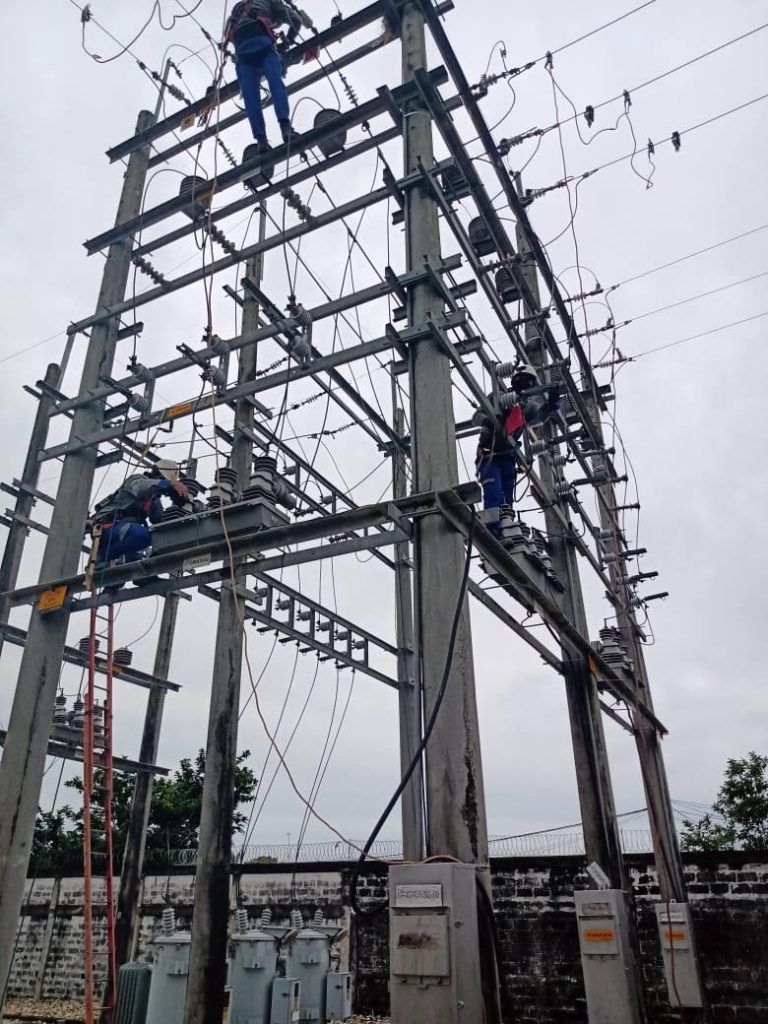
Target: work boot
{"x": 263, "y": 146}
{"x": 290, "y": 137}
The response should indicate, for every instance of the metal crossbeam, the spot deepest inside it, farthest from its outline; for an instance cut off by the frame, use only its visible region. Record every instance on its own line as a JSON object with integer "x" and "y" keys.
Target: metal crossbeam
{"x": 364, "y": 517}
{"x": 346, "y": 120}
{"x": 124, "y": 674}
{"x": 61, "y": 745}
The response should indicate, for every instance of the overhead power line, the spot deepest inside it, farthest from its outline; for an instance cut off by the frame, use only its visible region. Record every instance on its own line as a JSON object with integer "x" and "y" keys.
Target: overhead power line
{"x": 595, "y": 31}
{"x": 691, "y": 298}
{"x": 695, "y": 337}
{"x": 682, "y": 259}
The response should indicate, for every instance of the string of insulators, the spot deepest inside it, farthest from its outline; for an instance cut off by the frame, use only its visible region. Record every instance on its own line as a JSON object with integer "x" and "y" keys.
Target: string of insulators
{"x": 293, "y": 199}
{"x": 146, "y": 268}
{"x": 226, "y": 151}
{"x": 218, "y": 236}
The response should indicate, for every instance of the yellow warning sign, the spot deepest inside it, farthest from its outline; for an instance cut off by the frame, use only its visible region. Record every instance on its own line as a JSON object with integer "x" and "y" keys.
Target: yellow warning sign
{"x": 188, "y": 122}
{"x": 599, "y": 935}
{"x": 52, "y": 599}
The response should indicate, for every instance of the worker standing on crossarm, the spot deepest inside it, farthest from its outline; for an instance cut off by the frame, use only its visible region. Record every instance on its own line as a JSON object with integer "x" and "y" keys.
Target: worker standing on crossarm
{"x": 124, "y": 515}
{"x": 252, "y": 27}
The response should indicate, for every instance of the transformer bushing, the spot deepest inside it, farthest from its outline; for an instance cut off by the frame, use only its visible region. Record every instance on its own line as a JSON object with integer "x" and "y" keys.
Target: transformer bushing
{"x": 334, "y": 143}
{"x": 614, "y": 649}
{"x": 170, "y": 970}
{"x": 60, "y": 709}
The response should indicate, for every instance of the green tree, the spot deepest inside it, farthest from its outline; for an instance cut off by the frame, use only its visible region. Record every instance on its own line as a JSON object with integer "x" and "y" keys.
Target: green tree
{"x": 739, "y": 816}
{"x": 174, "y": 817}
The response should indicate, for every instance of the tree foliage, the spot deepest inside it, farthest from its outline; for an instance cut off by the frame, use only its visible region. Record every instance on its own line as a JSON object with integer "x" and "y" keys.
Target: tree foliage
{"x": 174, "y": 817}
{"x": 739, "y": 816}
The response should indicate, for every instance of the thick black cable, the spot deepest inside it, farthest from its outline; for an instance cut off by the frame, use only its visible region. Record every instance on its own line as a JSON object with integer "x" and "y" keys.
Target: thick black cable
{"x": 417, "y": 757}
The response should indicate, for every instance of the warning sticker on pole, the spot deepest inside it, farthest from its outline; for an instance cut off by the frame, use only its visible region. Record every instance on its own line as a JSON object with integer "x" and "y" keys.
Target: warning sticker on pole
{"x": 599, "y": 934}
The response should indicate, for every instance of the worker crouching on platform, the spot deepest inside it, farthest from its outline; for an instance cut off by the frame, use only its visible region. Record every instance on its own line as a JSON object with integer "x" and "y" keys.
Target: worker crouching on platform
{"x": 251, "y": 27}
{"x": 499, "y": 443}
{"x": 124, "y": 515}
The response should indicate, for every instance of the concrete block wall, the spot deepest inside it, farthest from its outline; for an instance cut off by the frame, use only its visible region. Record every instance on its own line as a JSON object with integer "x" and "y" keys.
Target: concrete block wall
{"x": 533, "y": 901}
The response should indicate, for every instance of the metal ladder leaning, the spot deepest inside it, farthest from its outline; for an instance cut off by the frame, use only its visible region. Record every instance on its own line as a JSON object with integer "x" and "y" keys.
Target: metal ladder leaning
{"x": 97, "y": 733}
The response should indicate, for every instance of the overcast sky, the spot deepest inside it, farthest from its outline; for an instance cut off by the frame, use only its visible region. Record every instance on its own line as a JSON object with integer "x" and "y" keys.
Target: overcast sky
{"x": 691, "y": 415}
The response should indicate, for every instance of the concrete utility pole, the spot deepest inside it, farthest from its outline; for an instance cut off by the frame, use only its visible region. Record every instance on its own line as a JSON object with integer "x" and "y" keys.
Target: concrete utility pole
{"x": 133, "y": 855}
{"x": 409, "y": 693}
{"x": 456, "y": 821}
{"x": 30, "y": 474}
{"x": 602, "y": 839}
{"x": 23, "y": 762}
{"x": 210, "y": 920}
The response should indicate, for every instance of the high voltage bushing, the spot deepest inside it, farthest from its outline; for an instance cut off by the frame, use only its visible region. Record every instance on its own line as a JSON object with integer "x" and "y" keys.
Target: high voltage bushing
{"x": 123, "y": 657}
{"x": 144, "y": 373}
{"x": 60, "y": 709}
{"x": 454, "y": 183}
{"x": 146, "y": 268}
{"x": 78, "y": 715}
{"x": 614, "y": 649}
{"x": 508, "y": 400}
{"x": 336, "y": 142}
{"x": 507, "y": 287}
{"x": 562, "y": 489}
{"x": 480, "y": 237}
{"x": 539, "y": 447}
{"x": 505, "y": 369}
{"x": 265, "y": 172}
{"x": 198, "y": 194}
{"x": 84, "y": 645}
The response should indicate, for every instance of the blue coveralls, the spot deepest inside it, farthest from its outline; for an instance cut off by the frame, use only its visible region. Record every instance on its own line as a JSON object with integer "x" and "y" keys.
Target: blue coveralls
{"x": 498, "y": 475}
{"x": 127, "y": 538}
{"x": 257, "y": 58}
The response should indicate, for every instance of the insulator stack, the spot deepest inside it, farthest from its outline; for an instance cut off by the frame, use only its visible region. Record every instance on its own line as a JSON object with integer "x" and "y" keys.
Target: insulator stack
{"x": 242, "y": 920}
{"x": 293, "y": 199}
{"x": 84, "y": 645}
{"x": 168, "y": 921}
{"x": 123, "y": 657}
{"x": 614, "y": 649}
{"x": 60, "y": 709}
{"x": 146, "y": 268}
{"x": 218, "y": 236}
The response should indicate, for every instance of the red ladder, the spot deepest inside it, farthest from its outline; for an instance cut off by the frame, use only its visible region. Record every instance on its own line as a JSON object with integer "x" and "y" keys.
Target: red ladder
{"x": 97, "y": 732}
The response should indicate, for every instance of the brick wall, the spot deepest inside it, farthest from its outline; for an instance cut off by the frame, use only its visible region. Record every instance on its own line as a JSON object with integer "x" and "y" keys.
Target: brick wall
{"x": 533, "y": 900}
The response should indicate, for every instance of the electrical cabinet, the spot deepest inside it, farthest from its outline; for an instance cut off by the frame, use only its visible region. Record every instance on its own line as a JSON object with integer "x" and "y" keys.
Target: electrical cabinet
{"x": 606, "y": 956}
{"x": 286, "y": 1001}
{"x": 434, "y": 944}
{"x": 338, "y": 996}
{"x": 679, "y": 951}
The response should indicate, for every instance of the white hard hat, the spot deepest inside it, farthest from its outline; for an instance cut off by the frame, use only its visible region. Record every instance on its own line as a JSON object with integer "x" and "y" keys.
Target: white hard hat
{"x": 525, "y": 370}
{"x": 167, "y": 469}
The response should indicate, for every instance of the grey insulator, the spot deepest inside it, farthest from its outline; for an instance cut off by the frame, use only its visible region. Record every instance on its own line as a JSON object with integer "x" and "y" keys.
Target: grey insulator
{"x": 538, "y": 448}
{"x": 318, "y": 916}
{"x": 242, "y": 920}
{"x": 507, "y": 287}
{"x": 85, "y": 643}
{"x": 168, "y": 921}
{"x": 562, "y": 488}
{"x": 558, "y": 459}
{"x": 334, "y": 143}
{"x": 192, "y": 187}
{"x": 78, "y": 718}
{"x": 60, "y": 709}
{"x": 480, "y": 237}
{"x": 300, "y": 348}
{"x": 139, "y": 402}
{"x": 266, "y": 917}
{"x": 219, "y": 346}
{"x": 282, "y": 495}
{"x": 123, "y": 656}
{"x": 264, "y": 174}
{"x": 144, "y": 373}
{"x": 216, "y": 376}
{"x": 297, "y": 921}
{"x": 506, "y": 369}
{"x": 508, "y": 399}
{"x": 454, "y": 184}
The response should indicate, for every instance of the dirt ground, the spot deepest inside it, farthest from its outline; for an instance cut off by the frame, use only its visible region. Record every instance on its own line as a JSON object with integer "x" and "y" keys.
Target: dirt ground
{"x": 71, "y": 1010}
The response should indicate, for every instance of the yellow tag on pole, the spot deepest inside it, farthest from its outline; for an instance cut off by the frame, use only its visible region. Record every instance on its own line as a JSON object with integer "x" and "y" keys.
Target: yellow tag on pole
{"x": 52, "y": 599}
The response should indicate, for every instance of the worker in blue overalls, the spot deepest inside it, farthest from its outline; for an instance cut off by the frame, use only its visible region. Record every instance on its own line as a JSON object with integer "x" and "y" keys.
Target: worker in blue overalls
{"x": 251, "y": 27}
{"x": 124, "y": 515}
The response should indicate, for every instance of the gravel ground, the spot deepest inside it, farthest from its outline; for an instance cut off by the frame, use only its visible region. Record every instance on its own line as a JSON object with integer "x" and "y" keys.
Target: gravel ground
{"x": 22, "y": 1010}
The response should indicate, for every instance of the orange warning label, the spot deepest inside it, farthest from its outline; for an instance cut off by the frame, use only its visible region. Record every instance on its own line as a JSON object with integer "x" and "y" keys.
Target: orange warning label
{"x": 52, "y": 599}
{"x": 178, "y": 410}
{"x": 599, "y": 935}
{"x": 676, "y": 936}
